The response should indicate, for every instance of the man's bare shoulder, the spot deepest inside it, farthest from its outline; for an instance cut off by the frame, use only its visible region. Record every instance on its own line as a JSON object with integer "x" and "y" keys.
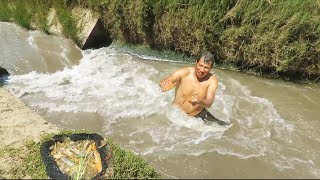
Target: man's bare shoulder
{"x": 213, "y": 80}
{"x": 185, "y": 70}
{"x": 189, "y": 69}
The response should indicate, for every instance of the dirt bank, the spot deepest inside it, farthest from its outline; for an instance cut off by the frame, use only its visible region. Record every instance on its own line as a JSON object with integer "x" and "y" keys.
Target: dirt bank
{"x": 18, "y": 124}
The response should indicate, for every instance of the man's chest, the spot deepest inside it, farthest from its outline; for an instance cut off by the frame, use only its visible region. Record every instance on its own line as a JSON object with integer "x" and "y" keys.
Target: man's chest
{"x": 191, "y": 87}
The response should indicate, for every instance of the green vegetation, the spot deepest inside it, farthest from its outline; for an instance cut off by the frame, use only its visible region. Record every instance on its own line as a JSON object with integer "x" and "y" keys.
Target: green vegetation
{"x": 128, "y": 165}
{"x": 20, "y": 13}
{"x": 27, "y": 162}
{"x": 68, "y": 24}
{"x": 33, "y": 15}
{"x": 276, "y": 38}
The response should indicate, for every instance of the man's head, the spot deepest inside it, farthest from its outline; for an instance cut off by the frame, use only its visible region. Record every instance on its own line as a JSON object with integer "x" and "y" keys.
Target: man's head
{"x": 204, "y": 64}
{"x": 207, "y": 57}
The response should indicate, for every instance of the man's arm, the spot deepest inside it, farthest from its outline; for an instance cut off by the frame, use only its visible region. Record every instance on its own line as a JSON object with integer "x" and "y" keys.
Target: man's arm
{"x": 170, "y": 81}
{"x": 208, "y": 100}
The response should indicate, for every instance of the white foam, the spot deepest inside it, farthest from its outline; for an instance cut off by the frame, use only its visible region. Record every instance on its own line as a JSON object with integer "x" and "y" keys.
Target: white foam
{"x": 136, "y": 142}
{"x": 31, "y": 40}
{"x": 178, "y": 117}
{"x": 105, "y": 81}
{"x": 110, "y": 83}
{"x": 146, "y": 57}
{"x": 148, "y": 151}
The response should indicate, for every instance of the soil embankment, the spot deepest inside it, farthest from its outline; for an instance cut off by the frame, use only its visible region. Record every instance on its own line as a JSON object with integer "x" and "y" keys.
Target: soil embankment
{"x": 18, "y": 124}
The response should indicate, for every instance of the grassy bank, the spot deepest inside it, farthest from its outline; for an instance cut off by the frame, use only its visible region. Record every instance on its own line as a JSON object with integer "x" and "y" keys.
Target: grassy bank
{"x": 33, "y": 15}
{"x": 274, "y": 38}
{"x": 28, "y": 163}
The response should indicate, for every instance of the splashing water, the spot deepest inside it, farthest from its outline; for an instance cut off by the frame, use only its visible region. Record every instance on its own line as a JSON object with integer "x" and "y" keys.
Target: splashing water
{"x": 122, "y": 89}
{"x": 104, "y": 82}
{"x": 122, "y": 92}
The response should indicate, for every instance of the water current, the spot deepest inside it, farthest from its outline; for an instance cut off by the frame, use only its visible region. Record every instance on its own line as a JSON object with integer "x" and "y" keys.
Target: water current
{"x": 114, "y": 91}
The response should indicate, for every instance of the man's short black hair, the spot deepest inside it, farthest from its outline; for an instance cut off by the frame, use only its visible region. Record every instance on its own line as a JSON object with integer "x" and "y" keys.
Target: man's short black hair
{"x": 207, "y": 57}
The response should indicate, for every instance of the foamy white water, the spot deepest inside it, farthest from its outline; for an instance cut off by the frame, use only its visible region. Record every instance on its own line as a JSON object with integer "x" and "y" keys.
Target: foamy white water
{"x": 115, "y": 86}
{"x": 120, "y": 91}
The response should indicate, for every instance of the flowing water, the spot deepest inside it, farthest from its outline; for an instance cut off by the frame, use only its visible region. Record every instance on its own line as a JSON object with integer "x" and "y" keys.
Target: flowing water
{"x": 275, "y": 124}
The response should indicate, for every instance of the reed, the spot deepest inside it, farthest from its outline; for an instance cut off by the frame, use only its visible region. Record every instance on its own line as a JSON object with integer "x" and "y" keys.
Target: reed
{"x": 81, "y": 168}
{"x": 276, "y": 38}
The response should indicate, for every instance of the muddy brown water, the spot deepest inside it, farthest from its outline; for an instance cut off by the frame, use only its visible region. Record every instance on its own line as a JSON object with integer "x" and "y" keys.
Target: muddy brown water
{"x": 275, "y": 124}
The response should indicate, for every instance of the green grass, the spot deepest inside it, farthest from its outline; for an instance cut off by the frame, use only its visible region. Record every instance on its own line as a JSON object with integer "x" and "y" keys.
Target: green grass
{"x": 127, "y": 165}
{"x": 28, "y": 163}
{"x": 5, "y": 12}
{"x": 276, "y": 37}
{"x": 69, "y": 25}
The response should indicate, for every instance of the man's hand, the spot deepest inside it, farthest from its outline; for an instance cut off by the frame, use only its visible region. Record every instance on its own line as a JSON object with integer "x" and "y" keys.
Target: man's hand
{"x": 166, "y": 85}
{"x": 193, "y": 99}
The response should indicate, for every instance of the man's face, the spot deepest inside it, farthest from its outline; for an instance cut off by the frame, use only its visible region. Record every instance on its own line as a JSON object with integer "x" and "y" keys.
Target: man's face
{"x": 202, "y": 68}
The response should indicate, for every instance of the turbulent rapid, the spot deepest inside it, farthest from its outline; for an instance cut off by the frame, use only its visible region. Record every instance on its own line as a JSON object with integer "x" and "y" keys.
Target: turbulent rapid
{"x": 115, "y": 92}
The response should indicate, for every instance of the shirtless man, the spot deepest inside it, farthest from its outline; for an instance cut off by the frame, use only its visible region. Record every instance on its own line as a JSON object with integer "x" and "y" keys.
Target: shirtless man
{"x": 195, "y": 88}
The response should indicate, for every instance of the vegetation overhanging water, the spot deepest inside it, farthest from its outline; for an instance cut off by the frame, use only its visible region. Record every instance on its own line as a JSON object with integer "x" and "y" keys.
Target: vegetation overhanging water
{"x": 275, "y": 38}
